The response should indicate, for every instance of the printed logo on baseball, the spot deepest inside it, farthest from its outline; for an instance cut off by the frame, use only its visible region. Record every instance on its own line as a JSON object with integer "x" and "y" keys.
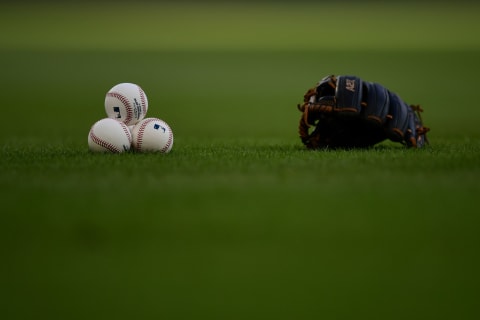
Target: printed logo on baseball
{"x": 109, "y": 135}
{"x": 126, "y": 102}
{"x": 152, "y": 135}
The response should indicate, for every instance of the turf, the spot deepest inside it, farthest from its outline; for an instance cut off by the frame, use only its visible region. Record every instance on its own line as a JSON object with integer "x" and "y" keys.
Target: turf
{"x": 239, "y": 220}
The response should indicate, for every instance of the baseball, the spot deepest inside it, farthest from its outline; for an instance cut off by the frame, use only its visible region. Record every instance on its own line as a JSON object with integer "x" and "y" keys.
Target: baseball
{"x": 109, "y": 135}
{"x": 126, "y": 102}
{"x": 152, "y": 135}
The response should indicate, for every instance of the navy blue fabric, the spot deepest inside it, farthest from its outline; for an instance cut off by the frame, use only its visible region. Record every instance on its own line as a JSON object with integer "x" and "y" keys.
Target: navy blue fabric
{"x": 411, "y": 131}
{"x": 377, "y": 102}
{"x": 398, "y": 123}
{"x": 349, "y": 94}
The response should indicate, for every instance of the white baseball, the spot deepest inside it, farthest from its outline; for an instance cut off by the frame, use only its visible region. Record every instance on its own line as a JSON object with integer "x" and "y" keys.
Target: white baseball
{"x": 152, "y": 135}
{"x": 109, "y": 135}
{"x": 126, "y": 102}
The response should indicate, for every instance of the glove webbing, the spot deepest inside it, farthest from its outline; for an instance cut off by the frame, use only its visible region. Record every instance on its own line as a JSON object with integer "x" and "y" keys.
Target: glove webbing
{"x": 311, "y": 141}
{"x": 420, "y": 130}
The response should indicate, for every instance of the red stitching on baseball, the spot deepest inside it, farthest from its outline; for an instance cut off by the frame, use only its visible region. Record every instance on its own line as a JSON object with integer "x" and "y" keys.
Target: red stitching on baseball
{"x": 125, "y": 102}
{"x": 143, "y": 100}
{"x": 170, "y": 138}
{"x": 127, "y": 131}
{"x": 110, "y": 147}
{"x": 141, "y": 131}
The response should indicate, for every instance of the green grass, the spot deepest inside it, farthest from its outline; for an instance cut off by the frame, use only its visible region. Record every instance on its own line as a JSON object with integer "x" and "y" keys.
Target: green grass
{"x": 239, "y": 220}
{"x": 251, "y": 229}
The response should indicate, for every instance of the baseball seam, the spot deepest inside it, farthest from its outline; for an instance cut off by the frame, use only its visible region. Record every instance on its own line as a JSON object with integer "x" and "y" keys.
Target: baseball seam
{"x": 110, "y": 147}
{"x": 170, "y": 137}
{"x": 143, "y": 100}
{"x": 125, "y": 102}
{"x": 141, "y": 131}
{"x": 127, "y": 131}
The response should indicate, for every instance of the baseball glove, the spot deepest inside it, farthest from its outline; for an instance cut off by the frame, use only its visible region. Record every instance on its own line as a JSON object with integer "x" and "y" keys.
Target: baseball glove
{"x": 347, "y": 112}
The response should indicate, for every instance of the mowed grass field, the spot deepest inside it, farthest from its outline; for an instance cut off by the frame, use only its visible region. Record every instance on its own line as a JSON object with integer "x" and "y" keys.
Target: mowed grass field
{"x": 239, "y": 221}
